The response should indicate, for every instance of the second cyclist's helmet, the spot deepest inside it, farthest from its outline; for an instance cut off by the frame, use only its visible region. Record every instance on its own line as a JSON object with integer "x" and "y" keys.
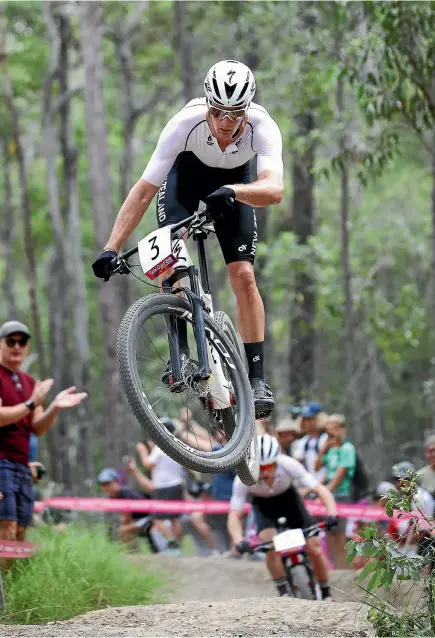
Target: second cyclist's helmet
{"x": 269, "y": 449}
{"x": 229, "y": 84}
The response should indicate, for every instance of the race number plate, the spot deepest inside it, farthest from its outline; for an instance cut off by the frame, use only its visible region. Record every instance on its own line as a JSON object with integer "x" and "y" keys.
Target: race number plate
{"x": 155, "y": 252}
{"x": 289, "y": 540}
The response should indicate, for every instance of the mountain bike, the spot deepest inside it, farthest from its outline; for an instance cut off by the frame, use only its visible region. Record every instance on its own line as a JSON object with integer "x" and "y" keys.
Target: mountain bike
{"x": 290, "y": 545}
{"x": 204, "y": 383}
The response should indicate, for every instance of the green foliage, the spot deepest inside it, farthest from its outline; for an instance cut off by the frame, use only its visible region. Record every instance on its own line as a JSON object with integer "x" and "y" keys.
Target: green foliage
{"x": 73, "y": 573}
{"x": 387, "y": 566}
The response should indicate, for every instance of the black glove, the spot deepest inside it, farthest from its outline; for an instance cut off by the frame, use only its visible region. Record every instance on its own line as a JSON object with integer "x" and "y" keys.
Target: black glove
{"x": 101, "y": 265}
{"x": 244, "y": 547}
{"x": 221, "y": 202}
{"x": 331, "y": 522}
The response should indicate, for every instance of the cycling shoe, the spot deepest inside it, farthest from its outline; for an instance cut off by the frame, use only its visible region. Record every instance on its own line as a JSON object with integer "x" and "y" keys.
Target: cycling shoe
{"x": 263, "y": 398}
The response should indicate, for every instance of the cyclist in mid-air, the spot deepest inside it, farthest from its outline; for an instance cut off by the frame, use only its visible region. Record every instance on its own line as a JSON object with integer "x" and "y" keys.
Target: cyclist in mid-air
{"x": 204, "y": 153}
{"x": 274, "y": 496}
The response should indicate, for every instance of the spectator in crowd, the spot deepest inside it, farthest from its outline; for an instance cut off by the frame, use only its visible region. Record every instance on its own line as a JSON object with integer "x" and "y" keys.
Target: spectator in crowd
{"x": 427, "y": 473}
{"x": 288, "y": 432}
{"x": 338, "y": 457}
{"x": 220, "y": 489}
{"x": 410, "y": 535}
{"x": 167, "y": 477}
{"x": 21, "y": 414}
{"x": 132, "y": 524}
{"x": 308, "y": 447}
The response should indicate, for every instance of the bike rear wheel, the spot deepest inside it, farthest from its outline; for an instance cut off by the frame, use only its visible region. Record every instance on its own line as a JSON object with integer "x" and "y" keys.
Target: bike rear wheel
{"x": 143, "y": 351}
{"x": 248, "y": 470}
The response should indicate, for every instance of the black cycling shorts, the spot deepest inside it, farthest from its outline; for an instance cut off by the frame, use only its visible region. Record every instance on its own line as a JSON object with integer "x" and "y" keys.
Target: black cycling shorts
{"x": 267, "y": 511}
{"x": 190, "y": 181}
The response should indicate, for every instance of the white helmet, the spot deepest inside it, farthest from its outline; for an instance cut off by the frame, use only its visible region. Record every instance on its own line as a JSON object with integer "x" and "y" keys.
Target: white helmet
{"x": 229, "y": 83}
{"x": 269, "y": 449}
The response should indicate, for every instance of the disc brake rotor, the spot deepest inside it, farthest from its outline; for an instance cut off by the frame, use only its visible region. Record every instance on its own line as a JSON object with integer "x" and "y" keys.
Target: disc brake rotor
{"x": 188, "y": 370}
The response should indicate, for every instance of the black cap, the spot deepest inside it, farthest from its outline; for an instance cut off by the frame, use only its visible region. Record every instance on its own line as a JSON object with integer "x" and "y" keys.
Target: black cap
{"x": 10, "y": 327}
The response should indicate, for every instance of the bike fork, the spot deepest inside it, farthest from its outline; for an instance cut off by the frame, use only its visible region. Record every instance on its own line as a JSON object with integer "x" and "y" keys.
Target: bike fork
{"x": 174, "y": 350}
{"x": 203, "y": 373}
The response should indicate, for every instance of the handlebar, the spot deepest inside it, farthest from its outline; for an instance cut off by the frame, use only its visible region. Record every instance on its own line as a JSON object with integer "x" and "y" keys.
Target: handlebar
{"x": 267, "y": 546}
{"x": 118, "y": 263}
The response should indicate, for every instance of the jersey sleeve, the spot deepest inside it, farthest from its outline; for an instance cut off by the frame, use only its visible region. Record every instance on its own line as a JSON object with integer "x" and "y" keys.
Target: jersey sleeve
{"x": 267, "y": 143}
{"x": 171, "y": 142}
{"x": 238, "y": 497}
{"x": 297, "y": 472}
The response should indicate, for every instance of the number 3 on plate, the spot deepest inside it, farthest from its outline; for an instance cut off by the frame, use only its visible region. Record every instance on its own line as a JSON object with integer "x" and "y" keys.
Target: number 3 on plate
{"x": 155, "y": 252}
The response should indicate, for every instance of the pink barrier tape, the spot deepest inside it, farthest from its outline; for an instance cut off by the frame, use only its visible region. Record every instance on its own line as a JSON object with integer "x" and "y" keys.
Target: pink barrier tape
{"x": 16, "y": 549}
{"x": 147, "y": 506}
{"x": 366, "y": 512}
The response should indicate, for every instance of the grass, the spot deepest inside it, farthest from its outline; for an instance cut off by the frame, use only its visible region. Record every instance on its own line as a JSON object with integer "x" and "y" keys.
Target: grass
{"x": 71, "y": 574}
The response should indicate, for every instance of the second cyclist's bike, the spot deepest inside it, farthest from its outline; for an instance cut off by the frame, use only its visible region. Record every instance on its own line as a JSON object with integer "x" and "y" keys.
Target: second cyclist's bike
{"x": 179, "y": 359}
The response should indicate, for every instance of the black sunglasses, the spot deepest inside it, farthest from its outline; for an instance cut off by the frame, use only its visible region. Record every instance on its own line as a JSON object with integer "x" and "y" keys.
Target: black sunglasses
{"x": 23, "y": 341}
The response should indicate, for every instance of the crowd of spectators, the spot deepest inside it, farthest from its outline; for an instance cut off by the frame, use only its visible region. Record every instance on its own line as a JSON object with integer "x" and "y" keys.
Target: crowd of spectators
{"x": 318, "y": 440}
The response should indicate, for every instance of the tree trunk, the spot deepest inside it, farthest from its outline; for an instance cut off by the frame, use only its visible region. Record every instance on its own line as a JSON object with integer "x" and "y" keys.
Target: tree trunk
{"x": 28, "y": 235}
{"x": 352, "y": 398}
{"x": 56, "y": 275}
{"x": 433, "y": 277}
{"x": 8, "y": 231}
{"x": 110, "y": 295}
{"x": 183, "y": 45}
{"x": 78, "y": 301}
{"x": 302, "y": 344}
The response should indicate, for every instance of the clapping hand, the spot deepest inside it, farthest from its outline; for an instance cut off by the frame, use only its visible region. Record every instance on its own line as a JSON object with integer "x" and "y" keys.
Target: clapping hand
{"x": 69, "y": 398}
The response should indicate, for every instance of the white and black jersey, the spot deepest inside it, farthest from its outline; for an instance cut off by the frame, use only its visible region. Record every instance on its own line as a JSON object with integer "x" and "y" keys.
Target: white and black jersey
{"x": 188, "y": 130}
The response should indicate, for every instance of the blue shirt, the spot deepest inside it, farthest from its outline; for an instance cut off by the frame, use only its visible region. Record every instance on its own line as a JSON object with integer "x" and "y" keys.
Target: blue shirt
{"x": 222, "y": 486}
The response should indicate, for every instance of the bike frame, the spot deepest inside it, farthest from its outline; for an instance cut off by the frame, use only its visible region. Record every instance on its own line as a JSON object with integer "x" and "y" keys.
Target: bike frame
{"x": 195, "y": 285}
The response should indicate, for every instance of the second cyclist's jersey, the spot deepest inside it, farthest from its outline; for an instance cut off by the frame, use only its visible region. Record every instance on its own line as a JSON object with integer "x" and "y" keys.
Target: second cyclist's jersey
{"x": 188, "y": 130}
{"x": 288, "y": 472}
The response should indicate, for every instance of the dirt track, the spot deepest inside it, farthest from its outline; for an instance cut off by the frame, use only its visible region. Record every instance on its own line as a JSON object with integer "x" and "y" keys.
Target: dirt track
{"x": 237, "y": 599}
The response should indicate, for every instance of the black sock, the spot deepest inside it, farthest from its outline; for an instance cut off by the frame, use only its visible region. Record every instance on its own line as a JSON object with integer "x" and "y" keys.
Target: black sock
{"x": 182, "y": 336}
{"x": 281, "y": 585}
{"x": 255, "y": 357}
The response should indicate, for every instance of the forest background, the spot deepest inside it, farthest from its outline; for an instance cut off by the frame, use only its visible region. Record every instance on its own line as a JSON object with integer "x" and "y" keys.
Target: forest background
{"x": 346, "y": 262}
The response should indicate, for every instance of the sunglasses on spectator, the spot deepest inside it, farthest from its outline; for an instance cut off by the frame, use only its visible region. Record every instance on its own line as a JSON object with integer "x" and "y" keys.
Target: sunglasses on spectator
{"x": 221, "y": 113}
{"x": 22, "y": 341}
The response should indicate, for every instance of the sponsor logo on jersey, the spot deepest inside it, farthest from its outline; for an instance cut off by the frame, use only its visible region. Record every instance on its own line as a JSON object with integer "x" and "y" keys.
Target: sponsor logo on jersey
{"x": 210, "y": 140}
{"x": 256, "y": 358}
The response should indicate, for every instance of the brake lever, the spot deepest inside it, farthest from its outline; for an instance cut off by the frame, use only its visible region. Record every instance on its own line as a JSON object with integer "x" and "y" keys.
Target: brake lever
{"x": 119, "y": 266}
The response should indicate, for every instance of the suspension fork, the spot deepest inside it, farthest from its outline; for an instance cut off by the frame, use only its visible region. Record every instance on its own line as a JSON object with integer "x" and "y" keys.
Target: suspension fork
{"x": 203, "y": 373}
{"x": 194, "y": 296}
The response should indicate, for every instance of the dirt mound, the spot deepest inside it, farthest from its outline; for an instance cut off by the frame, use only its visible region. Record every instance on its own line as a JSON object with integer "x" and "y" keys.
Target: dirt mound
{"x": 242, "y": 618}
{"x": 237, "y": 599}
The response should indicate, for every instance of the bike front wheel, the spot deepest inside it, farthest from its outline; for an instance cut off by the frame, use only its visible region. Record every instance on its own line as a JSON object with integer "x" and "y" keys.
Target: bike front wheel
{"x": 200, "y": 442}
{"x": 301, "y": 582}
